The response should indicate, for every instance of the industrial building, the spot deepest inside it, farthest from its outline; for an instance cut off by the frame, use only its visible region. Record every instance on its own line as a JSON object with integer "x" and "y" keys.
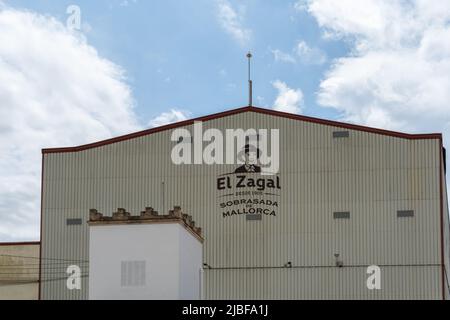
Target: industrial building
{"x": 19, "y": 270}
{"x": 342, "y": 198}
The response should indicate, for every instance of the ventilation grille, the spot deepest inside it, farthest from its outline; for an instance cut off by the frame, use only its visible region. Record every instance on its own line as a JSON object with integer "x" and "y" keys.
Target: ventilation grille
{"x": 253, "y": 217}
{"x": 341, "y": 134}
{"x": 132, "y": 274}
{"x": 74, "y": 222}
{"x": 341, "y": 215}
{"x": 405, "y": 213}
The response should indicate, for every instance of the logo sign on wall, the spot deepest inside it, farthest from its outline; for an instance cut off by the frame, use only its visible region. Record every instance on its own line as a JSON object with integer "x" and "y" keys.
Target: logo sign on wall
{"x": 254, "y": 186}
{"x": 246, "y": 191}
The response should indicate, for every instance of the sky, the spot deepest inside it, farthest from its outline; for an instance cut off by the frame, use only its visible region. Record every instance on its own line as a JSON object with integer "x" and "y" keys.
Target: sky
{"x": 125, "y": 65}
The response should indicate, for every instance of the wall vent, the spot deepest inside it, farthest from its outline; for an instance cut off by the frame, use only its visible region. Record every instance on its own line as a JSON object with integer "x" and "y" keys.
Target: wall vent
{"x": 74, "y": 222}
{"x": 341, "y": 215}
{"x": 405, "y": 213}
{"x": 132, "y": 274}
{"x": 341, "y": 134}
{"x": 253, "y": 217}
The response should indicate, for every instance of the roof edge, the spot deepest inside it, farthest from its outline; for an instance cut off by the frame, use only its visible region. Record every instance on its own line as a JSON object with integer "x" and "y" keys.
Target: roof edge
{"x": 238, "y": 111}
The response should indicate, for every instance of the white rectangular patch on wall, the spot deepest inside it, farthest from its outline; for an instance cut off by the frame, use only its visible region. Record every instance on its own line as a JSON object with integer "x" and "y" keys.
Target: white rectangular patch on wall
{"x": 133, "y": 274}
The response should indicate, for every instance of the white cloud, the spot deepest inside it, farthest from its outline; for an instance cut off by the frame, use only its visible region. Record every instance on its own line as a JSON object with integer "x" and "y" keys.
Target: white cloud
{"x": 55, "y": 91}
{"x": 126, "y": 3}
{"x": 169, "y": 117}
{"x": 309, "y": 55}
{"x": 397, "y": 75}
{"x": 301, "y": 53}
{"x": 288, "y": 99}
{"x": 281, "y": 56}
{"x": 301, "y": 5}
{"x": 232, "y": 22}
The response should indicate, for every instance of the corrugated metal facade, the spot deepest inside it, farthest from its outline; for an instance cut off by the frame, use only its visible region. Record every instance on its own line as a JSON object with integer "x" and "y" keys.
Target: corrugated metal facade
{"x": 370, "y": 175}
{"x": 446, "y": 238}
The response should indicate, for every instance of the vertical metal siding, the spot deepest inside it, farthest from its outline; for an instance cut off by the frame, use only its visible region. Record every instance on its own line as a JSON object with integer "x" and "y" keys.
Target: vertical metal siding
{"x": 446, "y": 230}
{"x": 372, "y": 176}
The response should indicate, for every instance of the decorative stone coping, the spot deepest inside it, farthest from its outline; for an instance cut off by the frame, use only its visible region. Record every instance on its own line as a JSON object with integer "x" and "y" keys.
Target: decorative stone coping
{"x": 147, "y": 216}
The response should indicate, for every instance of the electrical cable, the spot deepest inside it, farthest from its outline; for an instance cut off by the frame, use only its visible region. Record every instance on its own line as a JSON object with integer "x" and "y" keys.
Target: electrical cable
{"x": 38, "y": 258}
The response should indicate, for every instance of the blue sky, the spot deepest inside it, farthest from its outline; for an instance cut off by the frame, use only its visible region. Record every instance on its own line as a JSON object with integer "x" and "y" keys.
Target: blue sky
{"x": 177, "y": 55}
{"x": 134, "y": 64}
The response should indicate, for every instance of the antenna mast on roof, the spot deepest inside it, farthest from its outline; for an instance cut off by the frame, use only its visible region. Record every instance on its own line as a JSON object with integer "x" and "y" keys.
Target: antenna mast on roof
{"x": 250, "y": 83}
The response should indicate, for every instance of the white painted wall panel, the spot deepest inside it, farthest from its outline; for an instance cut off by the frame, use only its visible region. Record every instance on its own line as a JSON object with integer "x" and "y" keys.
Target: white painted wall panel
{"x": 190, "y": 265}
{"x": 172, "y": 258}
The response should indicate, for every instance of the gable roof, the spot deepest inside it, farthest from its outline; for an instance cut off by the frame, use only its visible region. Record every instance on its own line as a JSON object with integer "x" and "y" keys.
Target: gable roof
{"x": 242, "y": 110}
